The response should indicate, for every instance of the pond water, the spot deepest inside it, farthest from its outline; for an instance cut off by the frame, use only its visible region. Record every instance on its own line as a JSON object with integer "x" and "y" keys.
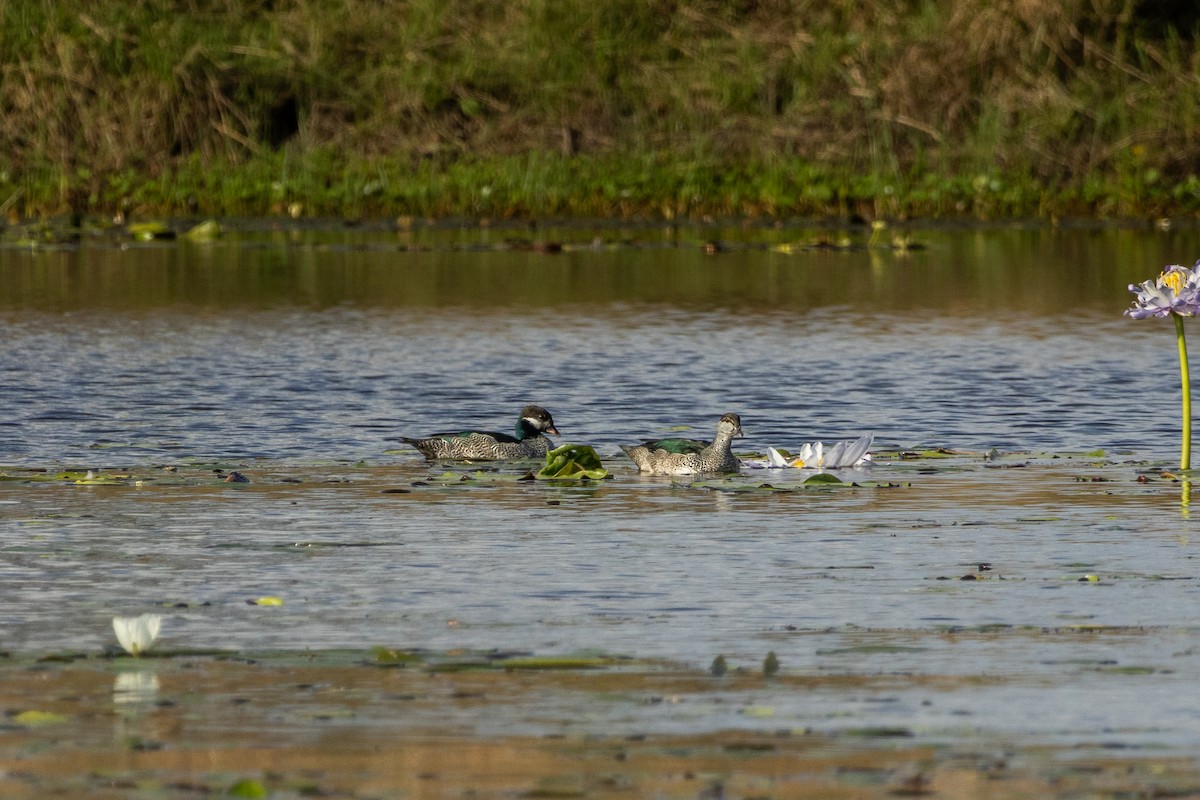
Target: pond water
{"x": 299, "y": 356}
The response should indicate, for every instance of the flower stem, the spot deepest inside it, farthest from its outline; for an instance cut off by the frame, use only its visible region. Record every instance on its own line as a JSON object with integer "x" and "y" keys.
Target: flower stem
{"x": 1185, "y": 456}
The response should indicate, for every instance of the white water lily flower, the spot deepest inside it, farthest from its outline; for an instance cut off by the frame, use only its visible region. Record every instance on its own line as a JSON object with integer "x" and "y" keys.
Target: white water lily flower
{"x": 813, "y": 455}
{"x": 137, "y": 634}
{"x": 775, "y": 459}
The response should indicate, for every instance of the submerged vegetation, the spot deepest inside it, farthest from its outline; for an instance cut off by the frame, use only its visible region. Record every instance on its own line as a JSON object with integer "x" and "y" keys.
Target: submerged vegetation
{"x": 663, "y": 108}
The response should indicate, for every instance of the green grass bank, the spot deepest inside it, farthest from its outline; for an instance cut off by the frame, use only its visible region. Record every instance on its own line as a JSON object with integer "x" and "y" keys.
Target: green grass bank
{"x": 661, "y": 108}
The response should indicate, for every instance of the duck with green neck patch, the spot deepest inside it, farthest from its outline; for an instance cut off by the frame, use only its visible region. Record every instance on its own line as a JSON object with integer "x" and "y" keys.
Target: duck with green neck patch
{"x": 689, "y": 456}
{"x": 529, "y": 440}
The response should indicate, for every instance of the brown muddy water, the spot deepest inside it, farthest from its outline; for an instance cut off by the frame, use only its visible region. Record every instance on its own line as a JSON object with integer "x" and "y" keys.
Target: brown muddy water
{"x": 1003, "y": 605}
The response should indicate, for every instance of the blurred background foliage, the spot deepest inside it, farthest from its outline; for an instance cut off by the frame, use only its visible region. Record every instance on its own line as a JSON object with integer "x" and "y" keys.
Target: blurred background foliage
{"x": 987, "y": 107}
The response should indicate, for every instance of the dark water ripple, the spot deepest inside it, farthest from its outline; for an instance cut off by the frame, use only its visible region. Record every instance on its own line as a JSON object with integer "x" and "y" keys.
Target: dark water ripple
{"x": 343, "y": 384}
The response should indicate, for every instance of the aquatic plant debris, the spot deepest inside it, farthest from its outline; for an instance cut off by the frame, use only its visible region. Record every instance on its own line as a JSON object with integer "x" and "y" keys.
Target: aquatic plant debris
{"x": 469, "y": 661}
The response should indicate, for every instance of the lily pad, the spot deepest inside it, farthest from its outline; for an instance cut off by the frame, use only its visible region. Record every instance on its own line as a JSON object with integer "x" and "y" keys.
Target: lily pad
{"x": 391, "y": 657}
{"x": 938, "y": 452}
{"x": 760, "y": 712}
{"x": 870, "y": 649}
{"x": 248, "y": 788}
{"x": 555, "y": 662}
{"x": 205, "y": 232}
{"x": 572, "y": 462}
{"x": 147, "y": 231}
{"x": 33, "y": 717}
{"x": 92, "y": 478}
{"x": 451, "y": 478}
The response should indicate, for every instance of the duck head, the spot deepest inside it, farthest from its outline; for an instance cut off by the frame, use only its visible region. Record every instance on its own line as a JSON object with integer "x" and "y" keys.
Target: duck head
{"x": 730, "y": 425}
{"x": 535, "y": 420}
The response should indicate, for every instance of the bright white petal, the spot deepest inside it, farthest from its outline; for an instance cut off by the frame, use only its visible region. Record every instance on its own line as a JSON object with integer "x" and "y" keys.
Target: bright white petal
{"x": 775, "y": 459}
{"x": 123, "y": 628}
{"x": 137, "y": 634}
{"x": 833, "y": 457}
{"x": 856, "y": 451}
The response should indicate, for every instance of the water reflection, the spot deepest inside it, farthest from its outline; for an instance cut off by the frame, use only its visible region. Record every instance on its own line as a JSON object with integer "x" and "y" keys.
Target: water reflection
{"x": 135, "y": 692}
{"x": 1035, "y": 270}
{"x": 135, "y": 696}
{"x": 93, "y": 389}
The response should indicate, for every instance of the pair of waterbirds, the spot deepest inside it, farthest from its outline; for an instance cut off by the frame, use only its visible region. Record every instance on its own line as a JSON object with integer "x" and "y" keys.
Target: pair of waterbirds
{"x": 679, "y": 456}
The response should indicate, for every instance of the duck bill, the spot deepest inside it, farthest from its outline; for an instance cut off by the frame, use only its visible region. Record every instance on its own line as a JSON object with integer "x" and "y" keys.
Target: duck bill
{"x": 552, "y": 430}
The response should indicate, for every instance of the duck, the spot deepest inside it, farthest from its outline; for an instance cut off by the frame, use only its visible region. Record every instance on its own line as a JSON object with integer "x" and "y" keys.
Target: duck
{"x": 689, "y": 456}
{"x": 530, "y": 441}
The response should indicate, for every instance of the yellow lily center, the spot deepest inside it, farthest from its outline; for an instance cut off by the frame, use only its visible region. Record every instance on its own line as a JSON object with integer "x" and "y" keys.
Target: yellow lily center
{"x": 1172, "y": 278}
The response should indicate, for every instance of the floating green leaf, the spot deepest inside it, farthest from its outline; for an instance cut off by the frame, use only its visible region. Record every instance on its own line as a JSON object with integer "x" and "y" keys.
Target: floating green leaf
{"x": 760, "y": 712}
{"x": 939, "y": 452}
{"x": 572, "y": 462}
{"x": 205, "y": 232}
{"x": 146, "y": 231}
{"x": 33, "y": 717}
{"x": 389, "y": 657}
{"x": 825, "y": 477}
{"x": 91, "y": 478}
{"x": 868, "y": 649}
{"x": 554, "y": 662}
{"x": 248, "y": 788}
{"x": 478, "y": 477}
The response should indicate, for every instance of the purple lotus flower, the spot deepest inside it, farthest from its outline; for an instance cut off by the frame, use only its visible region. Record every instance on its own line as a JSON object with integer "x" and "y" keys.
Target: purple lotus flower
{"x": 1175, "y": 294}
{"x": 1175, "y": 291}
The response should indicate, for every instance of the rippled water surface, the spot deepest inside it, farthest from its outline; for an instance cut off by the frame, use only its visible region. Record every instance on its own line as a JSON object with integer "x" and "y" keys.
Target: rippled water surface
{"x": 1046, "y": 555}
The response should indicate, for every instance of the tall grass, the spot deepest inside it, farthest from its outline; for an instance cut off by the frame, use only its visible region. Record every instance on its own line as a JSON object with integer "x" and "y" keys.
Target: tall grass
{"x": 668, "y": 107}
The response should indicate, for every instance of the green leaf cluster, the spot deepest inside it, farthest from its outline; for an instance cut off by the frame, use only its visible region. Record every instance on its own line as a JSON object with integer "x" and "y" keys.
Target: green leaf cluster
{"x": 572, "y": 462}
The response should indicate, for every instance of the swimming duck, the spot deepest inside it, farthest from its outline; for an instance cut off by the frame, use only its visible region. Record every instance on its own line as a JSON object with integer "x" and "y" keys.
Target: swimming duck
{"x": 529, "y": 441}
{"x": 689, "y": 456}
